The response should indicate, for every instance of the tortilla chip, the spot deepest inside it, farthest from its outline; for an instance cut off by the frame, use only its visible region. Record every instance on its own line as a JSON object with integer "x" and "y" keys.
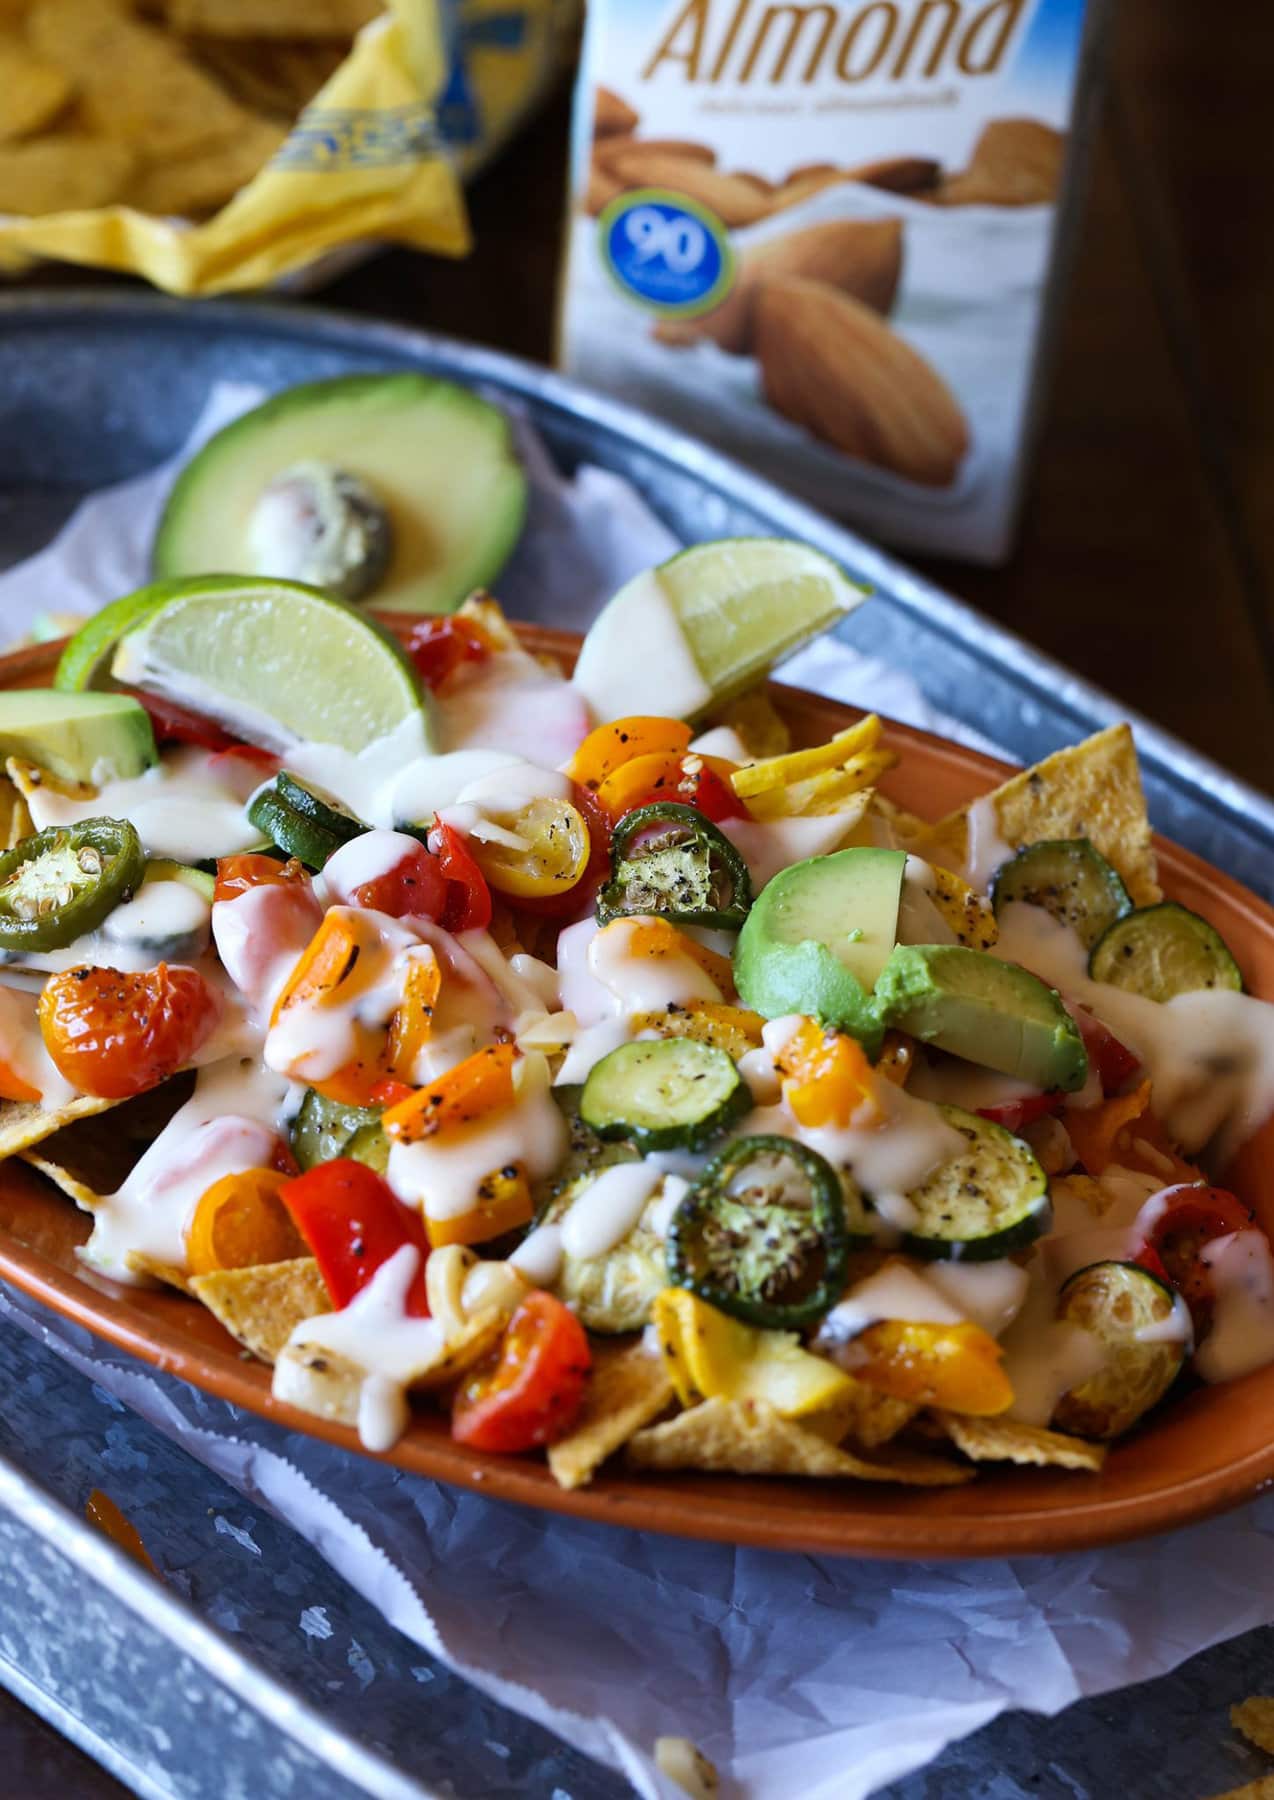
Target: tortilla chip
{"x": 100, "y": 1152}
{"x": 25, "y": 1123}
{"x": 261, "y": 1306}
{"x": 62, "y": 173}
{"x": 32, "y": 91}
{"x": 279, "y": 19}
{"x": 480, "y": 609}
{"x": 750, "y": 1438}
{"x": 15, "y": 819}
{"x": 626, "y": 1390}
{"x": 1006, "y": 1440}
{"x": 1255, "y": 1719}
{"x": 203, "y": 182}
{"x": 135, "y": 85}
{"x": 1090, "y": 790}
{"x": 863, "y": 1414}
{"x": 88, "y": 1199}
{"x": 155, "y": 1269}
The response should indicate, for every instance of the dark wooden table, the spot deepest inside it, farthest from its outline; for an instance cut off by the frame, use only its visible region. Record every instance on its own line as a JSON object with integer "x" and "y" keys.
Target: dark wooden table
{"x": 1146, "y": 557}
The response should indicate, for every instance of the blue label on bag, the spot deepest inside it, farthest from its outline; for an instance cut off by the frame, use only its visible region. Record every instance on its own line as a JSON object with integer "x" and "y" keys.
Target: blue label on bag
{"x": 666, "y": 251}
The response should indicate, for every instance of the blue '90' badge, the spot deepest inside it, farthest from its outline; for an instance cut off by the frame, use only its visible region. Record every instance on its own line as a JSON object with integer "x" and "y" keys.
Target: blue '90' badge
{"x": 666, "y": 251}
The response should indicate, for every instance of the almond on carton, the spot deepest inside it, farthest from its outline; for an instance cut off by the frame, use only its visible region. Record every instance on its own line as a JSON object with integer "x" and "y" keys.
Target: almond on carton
{"x": 756, "y": 185}
{"x": 862, "y": 257}
{"x": 830, "y": 364}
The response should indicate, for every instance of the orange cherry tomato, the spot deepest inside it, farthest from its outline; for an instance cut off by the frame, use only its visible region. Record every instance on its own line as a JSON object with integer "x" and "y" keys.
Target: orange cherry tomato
{"x": 685, "y": 777}
{"x": 953, "y": 1366}
{"x": 237, "y": 874}
{"x": 528, "y": 1391}
{"x": 240, "y": 1222}
{"x": 116, "y": 1035}
{"x": 610, "y": 746}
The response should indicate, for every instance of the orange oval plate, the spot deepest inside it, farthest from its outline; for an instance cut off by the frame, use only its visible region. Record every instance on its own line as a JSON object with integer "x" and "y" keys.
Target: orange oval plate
{"x": 1201, "y": 1454}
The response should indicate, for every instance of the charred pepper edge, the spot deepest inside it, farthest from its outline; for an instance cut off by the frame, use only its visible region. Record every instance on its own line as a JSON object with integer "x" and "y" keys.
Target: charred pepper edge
{"x": 827, "y": 1214}
{"x": 610, "y": 900}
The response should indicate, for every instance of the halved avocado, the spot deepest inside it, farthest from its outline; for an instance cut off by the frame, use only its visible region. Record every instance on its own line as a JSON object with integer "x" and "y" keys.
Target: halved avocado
{"x": 432, "y": 461}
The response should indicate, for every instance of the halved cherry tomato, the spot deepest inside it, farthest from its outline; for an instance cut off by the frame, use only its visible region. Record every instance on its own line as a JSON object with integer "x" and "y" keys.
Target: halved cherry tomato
{"x": 530, "y": 1388}
{"x": 1178, "y": 1223}
{"x": 468, "y": 903}
{"x": 1114, "y": 1062}
{"x": 556, "y": 848}
{"x": 353, "y": 1223}
{"x": 239, "y": 1222}
{"x": 116, "y": 1035}
{"x": 683, "y": 776}
{"x": 390, "y": 1091}
{"x": 236, "y": 874}
{"x": 579, "y": 898}
{"x": 176, "y": 724}
{"x": 439, "y": 646}
{"x": 609, "y": 746}
{"x": 414, "y": 887}
{"x": 1014, "y": 1114}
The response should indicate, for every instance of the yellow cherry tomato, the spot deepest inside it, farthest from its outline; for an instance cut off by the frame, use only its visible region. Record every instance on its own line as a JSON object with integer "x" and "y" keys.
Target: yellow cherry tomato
{"x": 241, "y": 1221}
{"x": 550, "y": 856}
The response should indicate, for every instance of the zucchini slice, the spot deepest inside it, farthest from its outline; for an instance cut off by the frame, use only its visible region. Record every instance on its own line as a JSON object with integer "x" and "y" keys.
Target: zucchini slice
{"x": 303, "y": 821}
{"x": 1161, "y": 951}
{"x": 1070, "y": 879}
{"x": 1128, "y": 1308}
{"x": 323, "y": 1129}
{"x": 614, "y": 1292}
{"x": 664, "y": 1094}
{"x": 989, "y": 1200}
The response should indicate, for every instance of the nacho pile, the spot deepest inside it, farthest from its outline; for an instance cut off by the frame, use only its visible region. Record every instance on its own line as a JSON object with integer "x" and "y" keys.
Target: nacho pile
{"x": 633, "y": 1089}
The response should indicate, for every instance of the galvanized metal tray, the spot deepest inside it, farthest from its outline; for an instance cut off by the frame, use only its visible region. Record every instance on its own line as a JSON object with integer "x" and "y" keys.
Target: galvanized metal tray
{"x": 100, "y": 386}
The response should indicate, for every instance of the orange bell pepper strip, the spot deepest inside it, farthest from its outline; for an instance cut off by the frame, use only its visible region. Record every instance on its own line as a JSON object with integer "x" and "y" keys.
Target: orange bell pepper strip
{"x": 1095, "y": 1131}
{"x": 957, "y": 1367}
{"x": 324, "y": 976}
{"x": 13, "y": 1087}
{"x": 827, "y": 1078}
{"x": 656, "y": 937}
{"x": 482, "y": 1083}
{"x": 609, "y": 746}
{"x": 504, "y": 1203}
{"x": 240, "y": 1222}
{"x": 412, "y": 1024}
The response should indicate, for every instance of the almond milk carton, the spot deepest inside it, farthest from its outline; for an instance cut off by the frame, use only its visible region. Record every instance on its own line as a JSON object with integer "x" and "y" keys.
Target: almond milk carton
{"x": 822, "y": 236}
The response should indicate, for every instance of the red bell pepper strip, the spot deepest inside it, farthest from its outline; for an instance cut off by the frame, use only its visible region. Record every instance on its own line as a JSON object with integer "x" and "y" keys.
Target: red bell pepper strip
{"x": 353, "y": 1223}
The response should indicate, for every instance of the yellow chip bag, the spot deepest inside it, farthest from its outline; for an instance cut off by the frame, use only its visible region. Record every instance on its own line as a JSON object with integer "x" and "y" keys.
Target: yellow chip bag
{"x": 157, "y": 137}
{"x": 32, "y": 91}
{"x": 277, "y": 18}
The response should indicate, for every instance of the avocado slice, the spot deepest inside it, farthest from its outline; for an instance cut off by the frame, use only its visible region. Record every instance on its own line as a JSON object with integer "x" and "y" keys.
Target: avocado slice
{"x": 90, "y": 738}
{"x": 818, "y": 936}
{"x": 404, "y": 487}
{"x": 987, "y": 1011}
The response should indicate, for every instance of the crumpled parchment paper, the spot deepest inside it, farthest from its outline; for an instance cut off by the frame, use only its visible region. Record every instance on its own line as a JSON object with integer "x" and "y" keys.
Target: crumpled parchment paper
{"x": 796, "y": 1675}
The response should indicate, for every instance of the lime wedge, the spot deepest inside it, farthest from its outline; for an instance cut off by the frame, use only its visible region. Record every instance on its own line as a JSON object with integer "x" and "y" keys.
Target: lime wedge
{"x": 708, "y": 623}
{"x": 275, "y": 662}
{"x": 86, "y": 661}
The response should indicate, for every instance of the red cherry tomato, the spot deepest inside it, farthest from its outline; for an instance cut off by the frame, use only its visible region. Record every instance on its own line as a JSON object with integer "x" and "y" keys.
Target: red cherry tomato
{"x": 116, "y": 1035}
{"x": 176, "y": 724}
{"x": 1113, "y": 1061}
{"x": 415, "y": 887}
{"x": 236, "y": 874}
{"x": 468, "y": 903}
{"x": 1177, "y": 1224}
{"x": 389, "y": 1091}
{"x": 353, "y": 1223}
{"x": 1014, "y": 1114}
{"x": 439, "y": 646}
{"x": 528, "y": 1391}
